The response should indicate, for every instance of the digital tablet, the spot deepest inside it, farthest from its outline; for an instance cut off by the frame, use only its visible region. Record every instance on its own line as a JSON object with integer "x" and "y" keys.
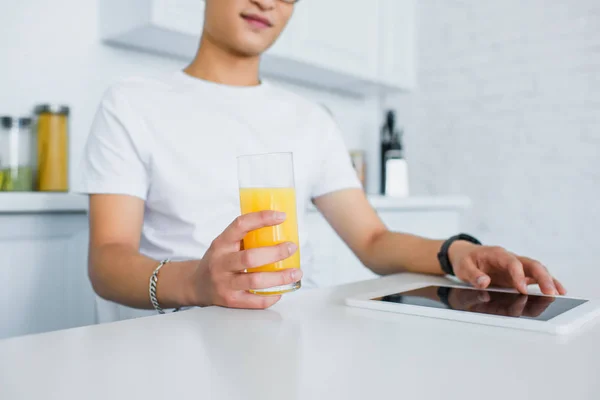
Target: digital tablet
{"x": 499, "y": 307}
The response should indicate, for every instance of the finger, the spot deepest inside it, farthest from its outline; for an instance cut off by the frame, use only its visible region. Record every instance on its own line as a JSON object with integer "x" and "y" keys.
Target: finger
{"x": 264, "y": 280}
{"x": 243, "y": 224}
{"x": 255, "y": 302}
{"x": 516, "y": 309}
{"x": 483, "y": 296}
{"x": 470, "y": 273}
{"x": 515, "y": 268}
{"x": 482, "y": 308}
{"x": 493, "y": 308}
{"x": 538, "y": 272}
{"x": 561, "y": 289}
{"x": 509, "y": 263}
{"x": 537, "y": 305}
{"x": 260, "y": 256}
{"x": 529, "y": 280}
{"x": 469, "y": 298}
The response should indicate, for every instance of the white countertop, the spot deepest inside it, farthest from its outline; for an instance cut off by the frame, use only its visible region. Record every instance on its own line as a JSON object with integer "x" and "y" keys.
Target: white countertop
{"x": 38, "y": 202}
{"x": 309, "y": 346}
{"x": 416, "y": 203}
{"x": 42, "y": 202}
{"x": 420, "y": 202}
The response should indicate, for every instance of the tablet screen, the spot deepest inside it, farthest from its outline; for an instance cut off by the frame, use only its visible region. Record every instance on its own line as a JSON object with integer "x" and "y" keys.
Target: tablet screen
{"x": 540, "y": 308}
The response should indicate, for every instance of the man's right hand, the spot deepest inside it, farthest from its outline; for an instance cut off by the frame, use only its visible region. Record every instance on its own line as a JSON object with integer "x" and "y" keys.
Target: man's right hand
{"x": 220, "y": 278}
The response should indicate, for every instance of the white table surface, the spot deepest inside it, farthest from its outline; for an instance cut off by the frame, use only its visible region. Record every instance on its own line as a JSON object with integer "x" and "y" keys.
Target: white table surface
{"x": 309, "y": 346}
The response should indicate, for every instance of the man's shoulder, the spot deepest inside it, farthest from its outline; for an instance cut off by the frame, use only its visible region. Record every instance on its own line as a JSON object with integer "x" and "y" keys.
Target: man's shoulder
{"x": 138, "y": 88}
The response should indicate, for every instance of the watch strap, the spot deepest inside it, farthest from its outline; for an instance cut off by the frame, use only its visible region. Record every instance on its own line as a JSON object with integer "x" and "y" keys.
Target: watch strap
{"x": 443, "y": 253}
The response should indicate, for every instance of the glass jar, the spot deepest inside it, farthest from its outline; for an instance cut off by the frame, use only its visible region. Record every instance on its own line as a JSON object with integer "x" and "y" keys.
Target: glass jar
{"x": 16, "y": 155}
{"x": 52, "y": 147}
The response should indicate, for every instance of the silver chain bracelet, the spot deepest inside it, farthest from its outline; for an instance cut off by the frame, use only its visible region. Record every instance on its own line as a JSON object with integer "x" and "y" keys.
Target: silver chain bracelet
{"x": 152, "y": 287}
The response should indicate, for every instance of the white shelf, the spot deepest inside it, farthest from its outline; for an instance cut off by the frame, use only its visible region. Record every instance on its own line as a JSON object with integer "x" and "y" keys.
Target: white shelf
{"x": 11, "y": 203}
{"x": 420, "y": 203}
{"x": 42, "y": 203}
{"x": 417, "y": 203}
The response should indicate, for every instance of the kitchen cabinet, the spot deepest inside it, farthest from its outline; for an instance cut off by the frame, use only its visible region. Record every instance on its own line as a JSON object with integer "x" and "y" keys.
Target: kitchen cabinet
{"x": 350, "y": 45}
{"x": 397, "y": 41}
{"x": 168, "y": 28}
{"x": 43, "y": 242}
{"x": 338, "y": 35}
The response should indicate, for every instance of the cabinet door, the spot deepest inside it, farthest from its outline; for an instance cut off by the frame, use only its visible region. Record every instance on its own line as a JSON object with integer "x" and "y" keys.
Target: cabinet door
{"x": 340, "y": 35}
{"x": 182, "y": 16}
{"x": 285, "y": 46}
{"x": 397, "y": 43}
{"x": 44, "y": 271}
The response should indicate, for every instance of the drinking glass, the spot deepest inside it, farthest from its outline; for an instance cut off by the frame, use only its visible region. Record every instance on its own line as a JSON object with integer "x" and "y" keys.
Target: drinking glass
{"x": 266, "y": 182}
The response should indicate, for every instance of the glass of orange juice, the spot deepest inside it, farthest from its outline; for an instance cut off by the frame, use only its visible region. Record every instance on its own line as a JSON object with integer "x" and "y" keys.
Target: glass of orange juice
{"x": 267, "y": 183}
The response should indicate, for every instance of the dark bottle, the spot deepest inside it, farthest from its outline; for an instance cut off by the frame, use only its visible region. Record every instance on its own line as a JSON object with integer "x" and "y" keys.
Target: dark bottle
{"x": 388, "y": 142}
{"x": 385, "y": 140}
{"x": 394, "y": 170}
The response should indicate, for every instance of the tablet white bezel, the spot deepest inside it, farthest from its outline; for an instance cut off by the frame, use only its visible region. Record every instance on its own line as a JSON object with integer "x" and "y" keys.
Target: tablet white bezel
{"x": 561, "y": 324}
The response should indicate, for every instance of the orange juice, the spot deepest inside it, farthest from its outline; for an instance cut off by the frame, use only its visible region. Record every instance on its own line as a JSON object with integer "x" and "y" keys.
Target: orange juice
{"x": 278, "y": 199}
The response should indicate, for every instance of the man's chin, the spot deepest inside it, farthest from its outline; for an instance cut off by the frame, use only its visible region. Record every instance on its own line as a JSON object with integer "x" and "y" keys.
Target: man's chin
{"x": 251, "y": 49}
{"x": 249, "y": 54}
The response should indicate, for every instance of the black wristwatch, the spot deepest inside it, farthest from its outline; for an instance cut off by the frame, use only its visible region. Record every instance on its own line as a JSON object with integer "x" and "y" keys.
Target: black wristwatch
{"x": 443, "y": 254}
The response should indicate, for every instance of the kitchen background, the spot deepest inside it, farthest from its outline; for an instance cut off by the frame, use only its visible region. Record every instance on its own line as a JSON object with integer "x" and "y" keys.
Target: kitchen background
{"x": 508, "y": 113}
{"x": 506, "y": 110}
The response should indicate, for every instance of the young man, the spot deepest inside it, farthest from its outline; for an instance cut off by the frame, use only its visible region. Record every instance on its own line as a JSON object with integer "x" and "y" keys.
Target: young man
{"x": 160, "y": 168}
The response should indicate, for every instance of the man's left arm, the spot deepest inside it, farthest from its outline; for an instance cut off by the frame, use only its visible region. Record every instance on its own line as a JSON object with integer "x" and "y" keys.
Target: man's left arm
{"x": 386, "y": 252}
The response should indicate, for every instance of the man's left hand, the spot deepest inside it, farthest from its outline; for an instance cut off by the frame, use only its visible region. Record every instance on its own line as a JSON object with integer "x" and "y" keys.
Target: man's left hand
{"x": 483, "y": 266}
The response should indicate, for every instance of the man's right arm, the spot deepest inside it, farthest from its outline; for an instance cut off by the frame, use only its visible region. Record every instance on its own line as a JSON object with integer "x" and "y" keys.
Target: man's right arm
{"x": 117, "y": 270}
{"x": 121, "y": 274}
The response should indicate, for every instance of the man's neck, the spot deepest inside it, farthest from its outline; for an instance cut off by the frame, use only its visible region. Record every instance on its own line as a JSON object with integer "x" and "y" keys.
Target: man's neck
{"x": 216, "y": 64}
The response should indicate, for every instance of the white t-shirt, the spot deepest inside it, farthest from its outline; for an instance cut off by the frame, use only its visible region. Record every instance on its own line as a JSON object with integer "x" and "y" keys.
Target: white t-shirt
{"x": 173, "y": 142}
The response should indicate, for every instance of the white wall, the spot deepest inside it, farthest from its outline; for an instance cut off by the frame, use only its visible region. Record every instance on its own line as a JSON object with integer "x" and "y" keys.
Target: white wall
{"x": 508, "y": 113}
{"x": 51, "y": 52}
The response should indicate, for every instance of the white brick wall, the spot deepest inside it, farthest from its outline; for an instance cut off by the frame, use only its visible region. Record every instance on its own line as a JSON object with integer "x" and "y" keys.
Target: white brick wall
{"x": 508, "y": 113}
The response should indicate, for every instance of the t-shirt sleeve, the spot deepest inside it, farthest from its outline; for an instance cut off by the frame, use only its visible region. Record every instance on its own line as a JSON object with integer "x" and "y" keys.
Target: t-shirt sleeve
{"x": 116, "y": 157}
{"x": 336, "y": 171}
